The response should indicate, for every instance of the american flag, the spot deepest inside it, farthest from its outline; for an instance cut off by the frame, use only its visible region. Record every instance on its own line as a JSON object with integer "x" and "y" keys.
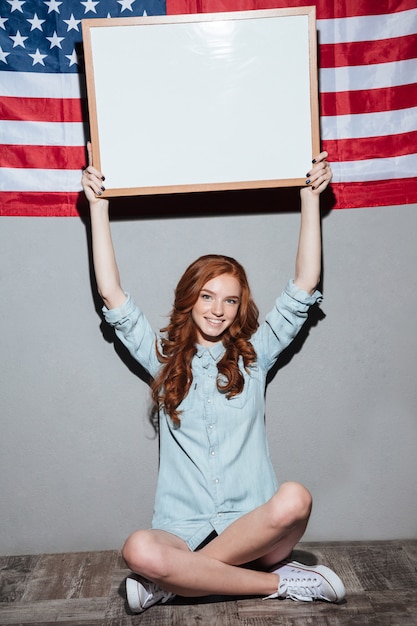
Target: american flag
{"x": 367, "y": 82}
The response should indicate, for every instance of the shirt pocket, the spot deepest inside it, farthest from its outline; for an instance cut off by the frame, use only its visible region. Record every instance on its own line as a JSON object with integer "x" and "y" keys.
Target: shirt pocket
{"x": 253, "y": 386}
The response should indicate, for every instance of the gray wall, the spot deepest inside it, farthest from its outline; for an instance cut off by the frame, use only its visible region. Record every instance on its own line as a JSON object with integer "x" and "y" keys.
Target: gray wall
{"x": 78, "y": 455}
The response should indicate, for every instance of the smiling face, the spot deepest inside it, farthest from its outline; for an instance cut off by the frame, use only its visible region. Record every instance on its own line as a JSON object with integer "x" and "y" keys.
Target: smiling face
{"x": 216, "y": 308}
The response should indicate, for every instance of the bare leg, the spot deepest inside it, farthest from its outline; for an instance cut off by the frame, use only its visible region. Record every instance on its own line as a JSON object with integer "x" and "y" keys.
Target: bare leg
{"x": 267, "y": 534}
{"x": 175, "y": 568}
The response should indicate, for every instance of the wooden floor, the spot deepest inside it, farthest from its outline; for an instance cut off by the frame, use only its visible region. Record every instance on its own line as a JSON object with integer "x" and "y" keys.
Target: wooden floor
{"x": 87, "y": 589}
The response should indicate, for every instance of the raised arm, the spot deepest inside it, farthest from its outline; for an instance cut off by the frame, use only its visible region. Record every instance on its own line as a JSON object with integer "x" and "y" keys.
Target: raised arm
{"x": 104, "y": 260}
{"x": 308, "y": 261}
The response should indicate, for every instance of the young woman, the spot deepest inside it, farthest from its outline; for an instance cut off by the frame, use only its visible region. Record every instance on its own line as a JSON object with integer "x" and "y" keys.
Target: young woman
{"x": 221, "y": 523}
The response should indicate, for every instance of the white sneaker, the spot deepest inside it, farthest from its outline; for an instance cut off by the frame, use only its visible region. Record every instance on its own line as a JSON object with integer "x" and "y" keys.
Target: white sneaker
{"x": 142, "y": 593}
{"x": 308, "y": 583}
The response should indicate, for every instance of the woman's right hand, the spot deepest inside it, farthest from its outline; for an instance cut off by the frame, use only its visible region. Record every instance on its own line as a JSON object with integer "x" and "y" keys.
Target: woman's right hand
{"x": 92, "y": 180}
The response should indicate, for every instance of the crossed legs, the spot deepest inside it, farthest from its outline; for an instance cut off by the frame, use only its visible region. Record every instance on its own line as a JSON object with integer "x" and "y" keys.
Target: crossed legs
{"x": 260, "y": 538}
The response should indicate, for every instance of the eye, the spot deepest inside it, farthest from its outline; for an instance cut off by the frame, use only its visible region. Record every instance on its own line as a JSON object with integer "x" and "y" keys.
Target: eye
{"x": 205, "y": 296}
{"x": 232, "y": 301}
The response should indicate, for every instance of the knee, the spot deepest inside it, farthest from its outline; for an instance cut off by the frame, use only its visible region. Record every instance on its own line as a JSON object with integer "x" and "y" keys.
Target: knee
{"x": 142, "y": 555}
{"x": 292, "y": 504}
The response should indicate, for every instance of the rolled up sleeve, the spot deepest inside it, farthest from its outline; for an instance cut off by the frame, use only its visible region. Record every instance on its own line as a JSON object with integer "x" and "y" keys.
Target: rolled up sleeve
{"x": 134, "y": 331}
{"x": 283, "y": 323}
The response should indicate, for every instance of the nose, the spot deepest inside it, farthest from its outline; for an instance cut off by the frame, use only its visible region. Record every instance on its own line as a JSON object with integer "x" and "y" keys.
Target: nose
{"x": 217, "y": 307}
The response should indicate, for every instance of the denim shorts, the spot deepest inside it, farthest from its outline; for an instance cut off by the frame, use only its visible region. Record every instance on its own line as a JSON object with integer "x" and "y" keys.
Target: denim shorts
{"x": 207, "y": 540}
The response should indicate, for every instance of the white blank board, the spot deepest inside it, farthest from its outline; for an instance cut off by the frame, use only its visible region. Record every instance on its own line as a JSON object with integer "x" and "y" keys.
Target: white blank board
{"x": 202, "y": 102}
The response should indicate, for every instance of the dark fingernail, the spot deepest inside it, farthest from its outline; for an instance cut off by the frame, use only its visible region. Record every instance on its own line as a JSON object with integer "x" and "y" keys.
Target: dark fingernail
{"x": 103, "y": 188}
{"x": 308, "y": 175}
{"x": 103, "y": 178}
{"x": 99, "y": 193}
{"x": 308, "y": 181}
{"x": 313, "y": 187}
{"x": 314, "y": 161}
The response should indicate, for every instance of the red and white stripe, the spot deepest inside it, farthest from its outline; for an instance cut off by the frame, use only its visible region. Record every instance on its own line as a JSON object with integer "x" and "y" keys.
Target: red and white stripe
{"x": 43, "y": 140}
{"x": 368, "y": 98}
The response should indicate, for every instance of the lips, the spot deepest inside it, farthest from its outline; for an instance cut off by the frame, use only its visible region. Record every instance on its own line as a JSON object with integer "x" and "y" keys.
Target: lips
{"x": 214, "y": 322}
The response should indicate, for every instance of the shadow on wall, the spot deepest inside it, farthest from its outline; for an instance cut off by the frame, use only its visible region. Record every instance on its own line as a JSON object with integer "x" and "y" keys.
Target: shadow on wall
{"x": 207, "y": 204}
{"x": 315, "y": 316}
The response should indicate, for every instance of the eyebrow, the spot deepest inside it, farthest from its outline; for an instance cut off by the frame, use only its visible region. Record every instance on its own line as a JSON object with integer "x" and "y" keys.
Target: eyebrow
{"x": 213, "y": 294}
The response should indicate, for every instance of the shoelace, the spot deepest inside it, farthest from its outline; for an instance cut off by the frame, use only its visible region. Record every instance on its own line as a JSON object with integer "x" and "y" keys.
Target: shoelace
{"x": 305, "y": 589}
{"x": 155, "y": 593}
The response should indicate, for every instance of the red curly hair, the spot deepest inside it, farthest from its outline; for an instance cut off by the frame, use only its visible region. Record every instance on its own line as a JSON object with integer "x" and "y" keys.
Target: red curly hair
{"x": 172, "y": 384}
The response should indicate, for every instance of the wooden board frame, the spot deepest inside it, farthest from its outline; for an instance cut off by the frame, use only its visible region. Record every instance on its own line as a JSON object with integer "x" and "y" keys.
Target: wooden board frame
{"x": 203, "y": 102}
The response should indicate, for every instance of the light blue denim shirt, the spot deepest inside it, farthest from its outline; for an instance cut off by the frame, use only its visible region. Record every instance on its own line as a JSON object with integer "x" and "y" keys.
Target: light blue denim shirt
{"x": 216, "y": 466}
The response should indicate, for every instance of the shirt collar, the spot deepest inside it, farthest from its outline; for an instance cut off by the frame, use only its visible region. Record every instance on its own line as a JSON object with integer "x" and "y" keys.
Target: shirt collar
{"x": 216, "y": 351}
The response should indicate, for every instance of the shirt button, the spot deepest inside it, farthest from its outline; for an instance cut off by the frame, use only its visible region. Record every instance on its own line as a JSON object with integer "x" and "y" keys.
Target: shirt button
{"x": 217, "y": 481}
{"x": 209, "y": 400}
{"x": 219, "y": 514}
{"x": 212, "y": 453}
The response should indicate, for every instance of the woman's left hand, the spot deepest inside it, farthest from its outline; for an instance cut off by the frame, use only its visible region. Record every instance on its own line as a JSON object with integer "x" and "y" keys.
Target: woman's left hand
{"x": 319, "y": 175}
